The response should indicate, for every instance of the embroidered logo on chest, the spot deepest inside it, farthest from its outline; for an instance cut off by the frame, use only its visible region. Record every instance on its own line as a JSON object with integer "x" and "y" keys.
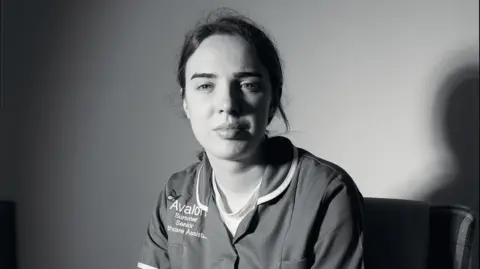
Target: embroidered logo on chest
{"x": 185, "y": 219}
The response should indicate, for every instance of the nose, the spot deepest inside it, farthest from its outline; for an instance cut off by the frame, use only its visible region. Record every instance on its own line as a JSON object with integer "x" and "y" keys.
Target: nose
{"x": 229, "y": 99}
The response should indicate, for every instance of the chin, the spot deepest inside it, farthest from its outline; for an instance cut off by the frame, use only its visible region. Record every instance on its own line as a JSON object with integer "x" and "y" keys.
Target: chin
{"x": 230, "y": 150}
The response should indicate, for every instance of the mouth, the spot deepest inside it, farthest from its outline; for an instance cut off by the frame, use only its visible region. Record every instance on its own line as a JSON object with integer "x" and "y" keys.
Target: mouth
{"x": 231, "y": 130}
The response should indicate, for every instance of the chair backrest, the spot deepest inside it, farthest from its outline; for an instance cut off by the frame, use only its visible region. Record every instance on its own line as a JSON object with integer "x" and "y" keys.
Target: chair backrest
{"x": 396, "y": 234}
{"x": 451, "y": 237}
{"x": 404, "y": 234}
{"x": 7, "y": 235}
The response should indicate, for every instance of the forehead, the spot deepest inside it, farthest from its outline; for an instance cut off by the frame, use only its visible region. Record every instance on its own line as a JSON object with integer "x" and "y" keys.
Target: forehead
{"x": 223, "y": 54}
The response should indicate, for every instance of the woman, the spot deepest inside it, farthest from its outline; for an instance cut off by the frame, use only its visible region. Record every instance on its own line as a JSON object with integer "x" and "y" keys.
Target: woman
{"x": 252, "y": 201}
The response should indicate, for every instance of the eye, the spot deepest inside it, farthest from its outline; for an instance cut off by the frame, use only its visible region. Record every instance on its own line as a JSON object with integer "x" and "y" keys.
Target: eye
{"x": 251, "y": 86}
{"x": 205, "y": 87}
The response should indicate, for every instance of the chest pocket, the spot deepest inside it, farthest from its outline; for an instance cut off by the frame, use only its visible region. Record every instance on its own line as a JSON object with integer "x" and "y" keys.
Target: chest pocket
{"x": 175, "y": 253}
{"x": 302, "y": 264}
{"x": 186, "y": 257}
{"x": 184, "y": 250}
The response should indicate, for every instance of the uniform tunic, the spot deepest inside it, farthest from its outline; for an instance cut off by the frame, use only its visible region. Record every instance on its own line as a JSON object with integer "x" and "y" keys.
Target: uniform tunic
{"x": 309, "y": 214}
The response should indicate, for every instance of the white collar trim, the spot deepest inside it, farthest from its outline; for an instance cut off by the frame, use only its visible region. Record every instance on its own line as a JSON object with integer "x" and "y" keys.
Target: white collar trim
{"x": 267, "y": 197}
{"x": 202, "y": 206}
{"x": 280, "y": 189}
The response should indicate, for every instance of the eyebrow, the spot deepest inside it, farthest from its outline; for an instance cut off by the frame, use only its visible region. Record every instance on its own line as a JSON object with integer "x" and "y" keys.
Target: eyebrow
{"x": 203, "y": 75}
{"x": 248, "y": 74}
{"x": 237, "y": 75}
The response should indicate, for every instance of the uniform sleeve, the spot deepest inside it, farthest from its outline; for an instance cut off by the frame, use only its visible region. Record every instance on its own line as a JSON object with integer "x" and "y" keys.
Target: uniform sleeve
{"x": 340, "y": 240}
{"x": 154, "y": 253}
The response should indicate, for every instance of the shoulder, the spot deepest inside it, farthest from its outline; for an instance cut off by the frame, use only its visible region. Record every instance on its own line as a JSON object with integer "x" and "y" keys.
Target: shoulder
{"x": 314, "y": 166}
{"x": 182, "y": 181}
{"x": 324, "y": 178}
{"x": 329, "y": 186}
{"x": 313, "y": 173}
{"x": 309, "y": 160}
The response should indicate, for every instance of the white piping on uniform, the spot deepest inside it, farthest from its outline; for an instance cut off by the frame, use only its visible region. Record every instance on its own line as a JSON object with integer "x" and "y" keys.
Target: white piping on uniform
{"x": 284, "y": 184}
{"x": 144, "y": 266}
{"x": 200, "y": 205}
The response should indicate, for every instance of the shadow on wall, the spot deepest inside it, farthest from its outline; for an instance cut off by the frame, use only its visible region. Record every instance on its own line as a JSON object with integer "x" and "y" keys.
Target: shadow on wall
{"x": 30, "y": 40}
{"x": 456, "y": 113}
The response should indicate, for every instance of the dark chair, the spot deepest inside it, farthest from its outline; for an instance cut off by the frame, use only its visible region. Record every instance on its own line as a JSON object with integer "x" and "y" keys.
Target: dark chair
{"x": 404, "y": 234}
{"x": 7, "y": 235}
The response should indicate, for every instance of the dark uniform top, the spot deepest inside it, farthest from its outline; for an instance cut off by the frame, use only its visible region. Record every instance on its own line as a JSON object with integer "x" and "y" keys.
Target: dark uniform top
{"x": 309, "y": 214}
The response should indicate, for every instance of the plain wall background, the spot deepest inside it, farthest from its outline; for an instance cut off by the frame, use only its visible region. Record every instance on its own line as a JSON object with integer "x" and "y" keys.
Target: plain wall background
{"x": 91, "y": 128}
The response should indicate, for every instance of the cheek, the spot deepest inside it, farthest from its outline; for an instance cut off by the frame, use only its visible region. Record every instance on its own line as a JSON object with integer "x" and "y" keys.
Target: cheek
{"x": 264, "y": 104}
{"x": 198, "y": 111}
{"x": 261, "y": 110}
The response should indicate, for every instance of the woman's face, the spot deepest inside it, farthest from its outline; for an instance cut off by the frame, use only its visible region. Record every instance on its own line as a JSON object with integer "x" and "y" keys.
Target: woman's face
{"x": 227, "y": 97}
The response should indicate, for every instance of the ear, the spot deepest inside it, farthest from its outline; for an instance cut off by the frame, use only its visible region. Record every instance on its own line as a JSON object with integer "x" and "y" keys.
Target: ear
{"x": 184, "y": 104}
{"x": 185, "y": 108}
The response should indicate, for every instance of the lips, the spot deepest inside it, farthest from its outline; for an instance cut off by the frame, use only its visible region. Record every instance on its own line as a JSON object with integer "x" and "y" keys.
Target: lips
{"x": 228, "y": 126}
{"x": 230, "y": 130}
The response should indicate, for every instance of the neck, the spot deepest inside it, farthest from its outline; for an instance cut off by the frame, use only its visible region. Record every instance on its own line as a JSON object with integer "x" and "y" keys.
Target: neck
{"x": 238, "y": 177}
